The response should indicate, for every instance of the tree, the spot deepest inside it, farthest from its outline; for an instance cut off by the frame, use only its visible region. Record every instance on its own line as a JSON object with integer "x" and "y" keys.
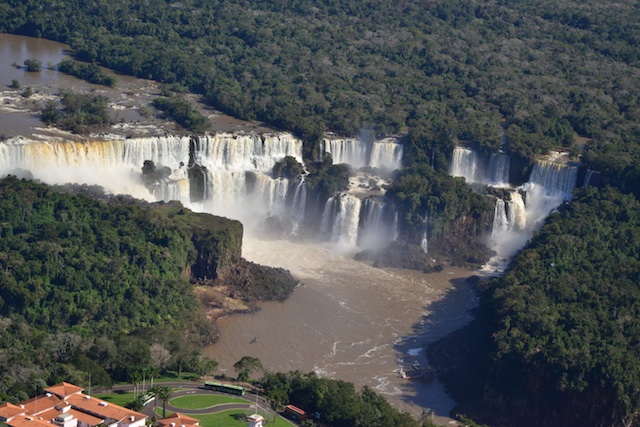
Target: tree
{"x": 163, "y": 393}
{"x": 245, "y": 366}
{"x": 203, "y": 365}
{"x": 277, "y": 398}
{"x": 33, "y": 65}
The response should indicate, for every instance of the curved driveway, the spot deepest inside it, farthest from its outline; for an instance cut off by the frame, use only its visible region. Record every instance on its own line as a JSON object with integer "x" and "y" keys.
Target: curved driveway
{"x": 190, "y": 388}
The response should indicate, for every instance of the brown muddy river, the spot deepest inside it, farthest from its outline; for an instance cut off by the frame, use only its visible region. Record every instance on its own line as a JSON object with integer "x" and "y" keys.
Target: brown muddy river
{"x": 349, "y": 321}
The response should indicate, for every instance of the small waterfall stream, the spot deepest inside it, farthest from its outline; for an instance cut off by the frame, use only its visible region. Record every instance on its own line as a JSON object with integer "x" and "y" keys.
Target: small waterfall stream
{"x": 424, "y": 243}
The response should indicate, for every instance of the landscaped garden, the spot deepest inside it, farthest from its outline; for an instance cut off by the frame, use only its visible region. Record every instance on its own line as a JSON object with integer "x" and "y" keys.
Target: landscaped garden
{"x": 199, "y": 401}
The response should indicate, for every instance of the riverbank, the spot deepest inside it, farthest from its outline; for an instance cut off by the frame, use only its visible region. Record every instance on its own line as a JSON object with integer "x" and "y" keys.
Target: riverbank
{"x": 129, "y": 101}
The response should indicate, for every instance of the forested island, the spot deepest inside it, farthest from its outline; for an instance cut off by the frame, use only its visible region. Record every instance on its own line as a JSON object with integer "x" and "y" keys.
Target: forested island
{"x": 559, "y": 332}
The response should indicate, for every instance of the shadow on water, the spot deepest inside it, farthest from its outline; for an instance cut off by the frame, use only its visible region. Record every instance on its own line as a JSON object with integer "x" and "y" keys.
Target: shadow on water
{"x": 448, "y": 314}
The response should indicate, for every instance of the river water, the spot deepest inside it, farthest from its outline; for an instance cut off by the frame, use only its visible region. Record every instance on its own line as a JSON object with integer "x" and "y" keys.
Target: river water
{"x": 20, "y": 116}
{"x": 349, "y": 321}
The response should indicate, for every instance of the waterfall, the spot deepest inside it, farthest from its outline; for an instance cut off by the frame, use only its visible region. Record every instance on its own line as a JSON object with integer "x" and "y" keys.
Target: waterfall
{"x": 386, "y": 153}
{"x": 244, "y": 152}
{"x": 518, "y": 216}
{"x": 226, "y": 174}
{"x": 375, "y": 228}
{"x": 424, "y": 243}
{"x": 345, "y": 225}
{"x": 351, "y": 151}
{"x": 299, "y": 202}
{"x": 238, "y": 173}
{"x": 236, "y": 167}
{"x": 500, "y": 221}
{"x": 515, "y": 222}
{"x": 475, "y": 168}
{"x": 554, "y": 177}
{"x": 171, "y": 189}
{"x": 591, "y": 177}
{"x": 466, "y": 163}
{"x": 114, "y": 164}
{"x": 396, "y": 227}
{"x": 328, "y": 214}
{"x": 498, "y": 174}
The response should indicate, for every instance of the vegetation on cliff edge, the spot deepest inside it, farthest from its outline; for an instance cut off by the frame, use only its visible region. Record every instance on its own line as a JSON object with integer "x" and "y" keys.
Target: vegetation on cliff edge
{"x": 564, "y": 322}
{"x": 101, "y": 287}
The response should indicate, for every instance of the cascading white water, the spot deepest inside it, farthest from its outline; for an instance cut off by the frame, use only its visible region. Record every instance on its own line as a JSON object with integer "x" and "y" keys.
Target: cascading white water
{"x": 475, "y": 168}
{"x": 237, "y": 181}
{"x": 328, "y": 215}
{"x": 395, "y": 231}
{"x": 375, "y": 229}
{"x": 114, "y": 164}
{"x": 238, "y": 168}
{"x": 245, "y": 152}
{"x": 299, "y": 203}
{"x": 518, "y": 218}
{"x": 498, "y": 173}
{"x": 591, "y": 177}
{"x": 347, "y": 150}
{"x": 466, "y": 163}
{"x": 555, "y": 178}
{"x": 235, "y": 173}
{"x": 500, "y": 220}
{"x": 345, "y": 225}
{"x": 340, "y": 218}
{"x": 385, "y": 153}
{"x": 549, "y": 185}
{"x": 424, "y": 243}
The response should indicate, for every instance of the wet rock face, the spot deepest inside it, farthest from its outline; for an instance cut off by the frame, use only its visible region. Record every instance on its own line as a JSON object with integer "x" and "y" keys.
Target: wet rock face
{"x": 197, "y": 180}
{"x": 216, "y": 249}
{"x": 401, "y": 255}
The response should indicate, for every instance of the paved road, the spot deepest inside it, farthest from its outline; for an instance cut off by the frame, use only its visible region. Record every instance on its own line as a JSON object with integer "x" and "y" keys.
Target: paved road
{"x": 190, "y": 388}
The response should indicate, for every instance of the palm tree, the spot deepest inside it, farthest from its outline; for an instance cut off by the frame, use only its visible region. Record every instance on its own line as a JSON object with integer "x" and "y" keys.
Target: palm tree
{"x": 164, "y": 393}
{"x": 153, "y": 391}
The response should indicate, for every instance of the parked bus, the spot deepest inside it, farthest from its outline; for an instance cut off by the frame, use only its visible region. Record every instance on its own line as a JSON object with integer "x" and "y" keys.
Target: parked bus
{"x": 225, "y": 388}
{"x": 295, "y": 413}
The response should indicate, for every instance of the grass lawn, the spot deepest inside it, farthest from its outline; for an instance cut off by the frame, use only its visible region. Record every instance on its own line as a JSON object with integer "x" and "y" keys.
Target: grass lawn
{"x": 234, "y": 418}
{"x": 116, "y": 398}
{"x": 198, "y": 401}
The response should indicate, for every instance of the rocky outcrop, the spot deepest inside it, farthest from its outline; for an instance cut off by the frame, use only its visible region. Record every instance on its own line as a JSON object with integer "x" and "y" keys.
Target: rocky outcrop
{"x": 401, "y": 255}
{"x": 218, "y": 242}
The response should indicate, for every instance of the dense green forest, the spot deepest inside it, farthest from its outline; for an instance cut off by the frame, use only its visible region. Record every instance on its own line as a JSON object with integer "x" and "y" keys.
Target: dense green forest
{"x": 563, "y": 320}
{"x": 556, "y": 340}
{"x": 100, "y": 287}
{"x": 442, "y": 70}
{"x": 568, "y": 317}
{"x": 337, "y": 402}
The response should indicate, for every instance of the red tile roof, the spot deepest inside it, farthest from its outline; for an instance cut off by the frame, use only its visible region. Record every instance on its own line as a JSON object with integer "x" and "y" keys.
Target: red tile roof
{"x": 41, "y": 403}
{"x": 97, "y": 407}
{"x": 9, "y": 410}
{"x": 27, "y": 421}
{"x": 64, "y": 390}
{"x": 65, "y": 398}
{"x": 178, "y": 419}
